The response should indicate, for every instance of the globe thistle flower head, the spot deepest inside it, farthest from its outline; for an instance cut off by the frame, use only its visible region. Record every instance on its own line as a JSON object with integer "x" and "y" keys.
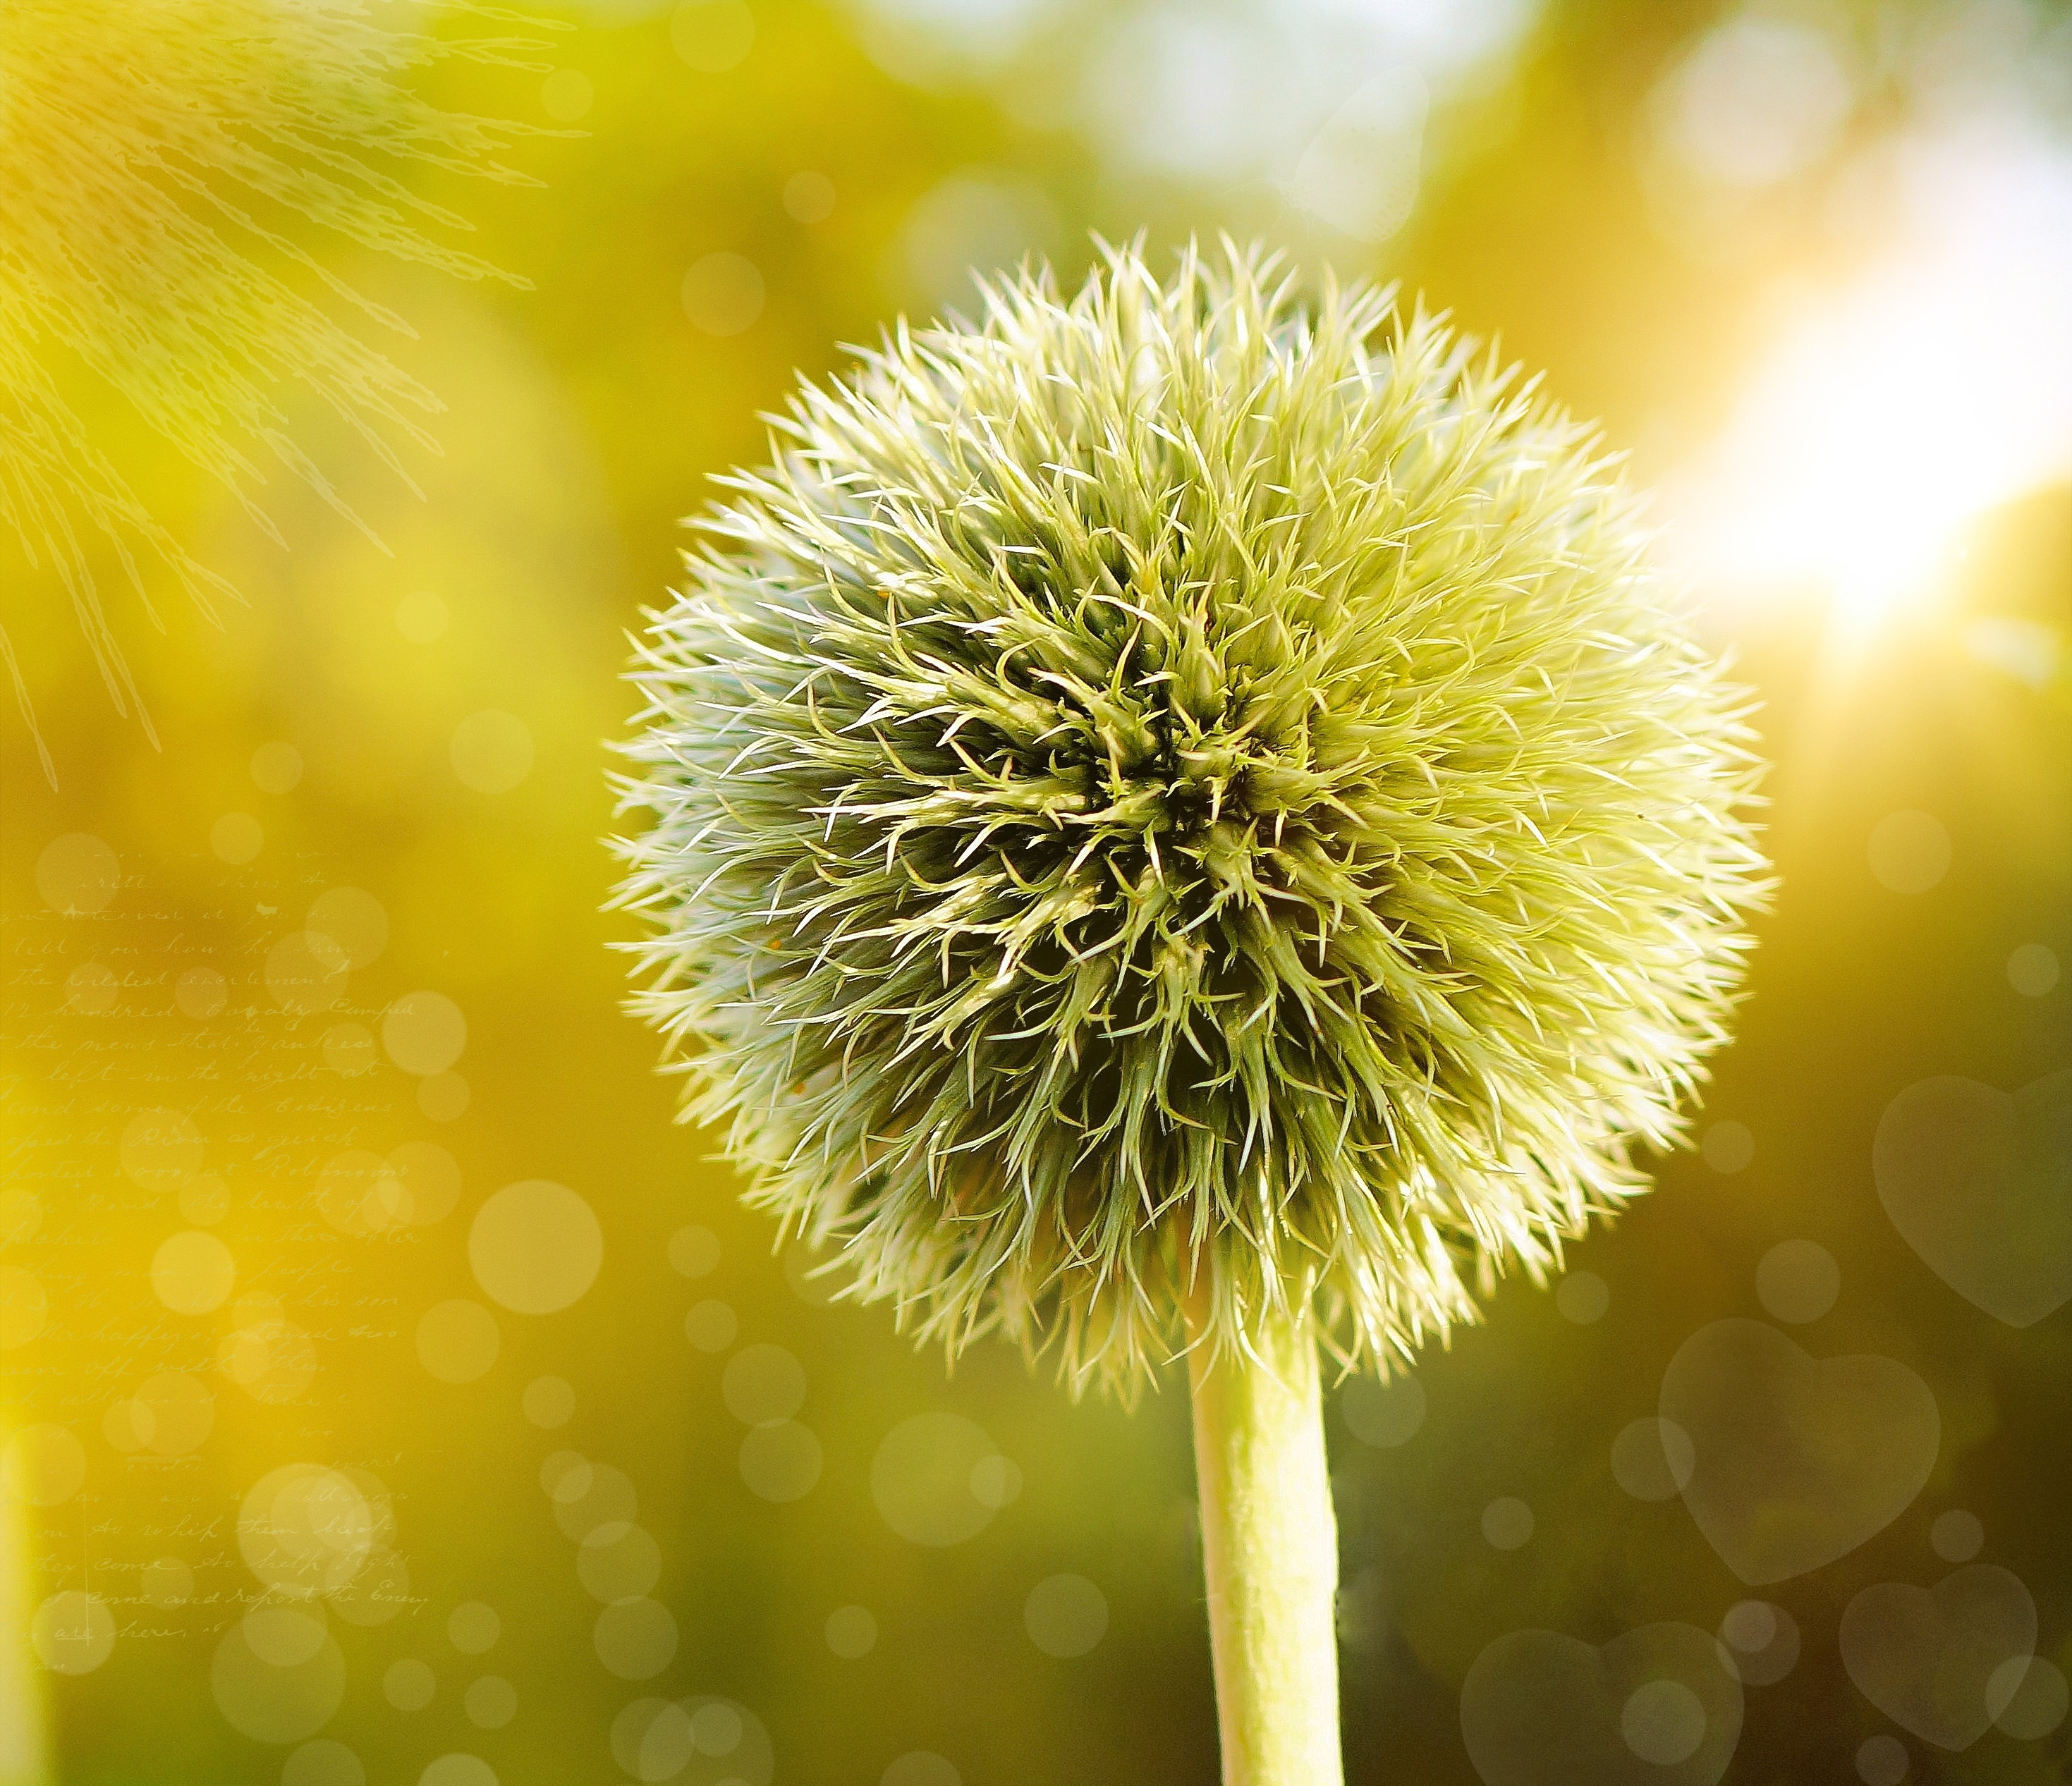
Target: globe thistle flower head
{"x": 1178, "y": 793}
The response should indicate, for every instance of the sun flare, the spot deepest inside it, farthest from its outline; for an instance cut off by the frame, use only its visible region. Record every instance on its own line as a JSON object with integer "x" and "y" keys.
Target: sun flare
{"x": 1895, "y": 411}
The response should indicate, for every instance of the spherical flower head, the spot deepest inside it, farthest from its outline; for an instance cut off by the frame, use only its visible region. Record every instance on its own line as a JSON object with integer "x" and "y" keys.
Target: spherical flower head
{"x": 1181, "y": 794}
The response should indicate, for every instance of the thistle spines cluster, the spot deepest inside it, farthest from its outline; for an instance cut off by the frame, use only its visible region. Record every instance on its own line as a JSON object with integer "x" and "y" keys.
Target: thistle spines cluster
{"x": 1181, "y": 790}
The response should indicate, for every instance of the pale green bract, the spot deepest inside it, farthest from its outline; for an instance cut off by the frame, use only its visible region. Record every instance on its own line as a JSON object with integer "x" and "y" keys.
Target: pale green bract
{"x": 1180, "y": 791}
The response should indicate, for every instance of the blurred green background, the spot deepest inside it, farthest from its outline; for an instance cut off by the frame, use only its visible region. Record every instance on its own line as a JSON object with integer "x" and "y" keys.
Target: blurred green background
{"x": 1810, "y": 263}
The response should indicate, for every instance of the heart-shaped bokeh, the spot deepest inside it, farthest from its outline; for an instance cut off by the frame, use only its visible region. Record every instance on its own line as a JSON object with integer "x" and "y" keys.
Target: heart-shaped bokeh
{"x": 1657, "y": 1706}
{"x": 1797, "y": 1460}
{"x": 1931, "y": 1658}
{"x": 1979, "y": 1182}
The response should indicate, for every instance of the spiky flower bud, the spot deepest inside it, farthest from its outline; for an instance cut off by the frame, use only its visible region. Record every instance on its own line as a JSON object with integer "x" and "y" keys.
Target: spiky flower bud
{"x": 1180, "y": 792}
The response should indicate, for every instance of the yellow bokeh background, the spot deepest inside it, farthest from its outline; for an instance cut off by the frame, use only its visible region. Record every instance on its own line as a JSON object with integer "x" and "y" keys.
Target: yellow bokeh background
{"x": 1693, "y": 248}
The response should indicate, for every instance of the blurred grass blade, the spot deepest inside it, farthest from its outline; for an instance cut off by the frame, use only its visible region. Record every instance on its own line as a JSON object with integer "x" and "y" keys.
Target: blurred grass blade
{"x": 157, "y": 160}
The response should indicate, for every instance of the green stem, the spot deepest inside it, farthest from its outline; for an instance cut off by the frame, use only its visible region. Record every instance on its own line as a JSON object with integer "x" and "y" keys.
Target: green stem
{"x": 1270, "y": 1548}
{"x": 25, "y": 1756}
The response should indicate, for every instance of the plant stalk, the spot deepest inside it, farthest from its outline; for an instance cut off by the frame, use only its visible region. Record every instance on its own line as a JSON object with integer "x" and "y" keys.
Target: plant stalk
{"x": 25, "y": 1747}
{"x": 1270, "y": 1548}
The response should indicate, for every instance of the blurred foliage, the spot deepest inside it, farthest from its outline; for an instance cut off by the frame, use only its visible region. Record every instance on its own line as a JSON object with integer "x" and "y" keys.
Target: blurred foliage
{"x": 582, "y": 420}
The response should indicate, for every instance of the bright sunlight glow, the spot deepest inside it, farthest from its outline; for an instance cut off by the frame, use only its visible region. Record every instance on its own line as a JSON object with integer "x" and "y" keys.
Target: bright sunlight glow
{"x": 1935, "y": 386}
